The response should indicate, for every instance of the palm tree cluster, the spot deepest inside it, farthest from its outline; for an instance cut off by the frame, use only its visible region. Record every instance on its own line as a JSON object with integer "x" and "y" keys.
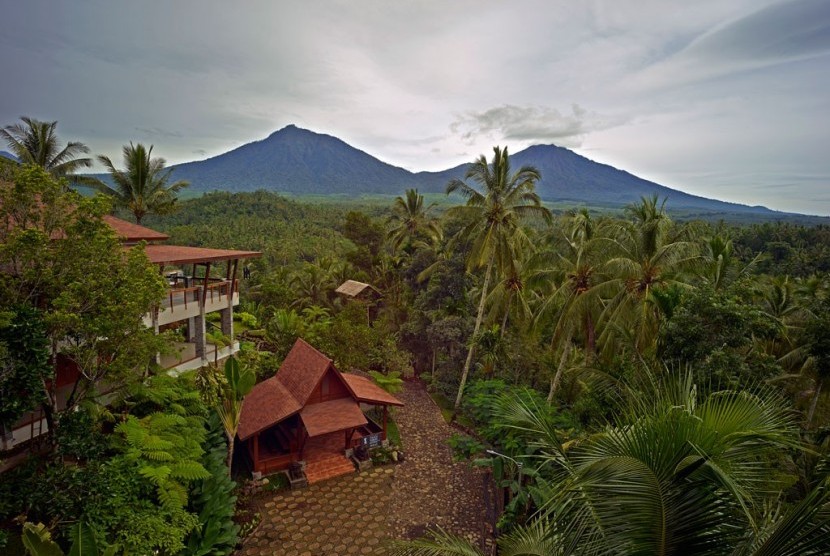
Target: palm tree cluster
{"x": 687, "y": 467}
{"x": 142, "y": 188}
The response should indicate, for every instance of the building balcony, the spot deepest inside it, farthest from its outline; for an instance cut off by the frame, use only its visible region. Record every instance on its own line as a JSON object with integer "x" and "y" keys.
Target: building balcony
{"x": 183, "y": 301}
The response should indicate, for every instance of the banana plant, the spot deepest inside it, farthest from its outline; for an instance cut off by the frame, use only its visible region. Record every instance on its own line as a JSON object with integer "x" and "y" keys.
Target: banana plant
{"x": 240, "y": 381}
{"x": 38, "y": 542}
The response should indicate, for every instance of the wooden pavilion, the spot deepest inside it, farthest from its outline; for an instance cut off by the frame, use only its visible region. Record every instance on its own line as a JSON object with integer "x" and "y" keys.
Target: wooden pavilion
{"x": 309, "y": 411}
{"x": 363, "y": 293}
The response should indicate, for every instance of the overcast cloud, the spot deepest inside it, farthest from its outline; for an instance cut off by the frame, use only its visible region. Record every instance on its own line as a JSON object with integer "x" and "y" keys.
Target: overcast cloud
{"x": 723, "y": 98}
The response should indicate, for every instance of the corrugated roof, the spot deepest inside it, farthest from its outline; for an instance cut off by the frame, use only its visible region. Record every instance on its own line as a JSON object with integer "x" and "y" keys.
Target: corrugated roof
{"x": 267, "y": 404}
{"x": 130, "y": 232}
{"x": 336, "y": 415}
{"x": 367, "y": 391}
{"x": 302, "y": 370}
{"x": 179, "y": 254}
{"x": 353, "y": 288}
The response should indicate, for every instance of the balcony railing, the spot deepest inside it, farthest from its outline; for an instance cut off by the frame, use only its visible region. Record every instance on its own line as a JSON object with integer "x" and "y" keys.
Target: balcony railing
{"x": 183, "y": 293}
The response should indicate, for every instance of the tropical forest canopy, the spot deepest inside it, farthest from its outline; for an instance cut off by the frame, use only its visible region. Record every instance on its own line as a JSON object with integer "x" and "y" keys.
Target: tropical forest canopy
{"x": 663, "y": 382}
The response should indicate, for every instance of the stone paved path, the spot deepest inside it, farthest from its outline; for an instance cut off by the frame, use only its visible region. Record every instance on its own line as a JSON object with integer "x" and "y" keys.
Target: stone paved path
{"x": 429, "y": 489}
{"x": 358, "y": 514}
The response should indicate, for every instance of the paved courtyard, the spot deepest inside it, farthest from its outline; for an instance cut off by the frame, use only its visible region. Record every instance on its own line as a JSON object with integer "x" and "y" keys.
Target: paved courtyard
{"x": 360, "y": 514}
{"x": 346, "y": 515}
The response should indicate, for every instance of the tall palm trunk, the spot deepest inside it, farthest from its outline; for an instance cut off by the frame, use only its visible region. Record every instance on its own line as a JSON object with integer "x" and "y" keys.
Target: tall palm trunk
{"x": 590, "y": 338}
{"x": 506, "y": 314}
{"x": 479, "y": 318}
{"x": 557, "y": 378}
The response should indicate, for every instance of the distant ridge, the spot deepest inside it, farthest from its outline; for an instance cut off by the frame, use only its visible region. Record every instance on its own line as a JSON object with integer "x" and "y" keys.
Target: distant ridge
{"x": 8, "y": 155}
{"x": 299, "y": 161}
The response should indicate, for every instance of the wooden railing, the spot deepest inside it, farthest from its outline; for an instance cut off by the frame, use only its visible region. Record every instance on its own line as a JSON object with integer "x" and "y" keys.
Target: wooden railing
{"x": 178, "y": 297}
{"x": 218, "y": 288}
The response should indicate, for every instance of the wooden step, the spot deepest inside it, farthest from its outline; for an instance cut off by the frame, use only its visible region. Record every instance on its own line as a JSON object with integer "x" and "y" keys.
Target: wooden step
{"x": 328, "y": 468}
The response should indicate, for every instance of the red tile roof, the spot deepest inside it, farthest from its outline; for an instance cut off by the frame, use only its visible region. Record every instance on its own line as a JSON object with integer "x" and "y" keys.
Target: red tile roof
{"x": 336, "y": 415}
{"x": 288, "y": 392}
{"x": 129, "y": 232}
{"x": 367, "y": 391}
{"x": 178, "y": 254}
{"x": 267, "y": 404}
{"x": 302, "y": 370}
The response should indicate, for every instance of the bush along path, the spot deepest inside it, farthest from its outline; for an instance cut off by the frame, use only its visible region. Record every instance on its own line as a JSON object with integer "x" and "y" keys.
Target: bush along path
{"x": 429, "y": 489}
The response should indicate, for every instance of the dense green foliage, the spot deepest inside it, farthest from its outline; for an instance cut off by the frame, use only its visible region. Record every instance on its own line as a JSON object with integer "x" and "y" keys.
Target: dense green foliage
{"x": 662, "y": 383}
{"x": 213, "y": 500}
{"x": 24, "y": 360}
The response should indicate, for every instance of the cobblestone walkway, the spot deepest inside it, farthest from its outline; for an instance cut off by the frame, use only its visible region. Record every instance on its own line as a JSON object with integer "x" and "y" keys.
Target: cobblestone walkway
{"x": 342, "y": 516}
{"x": 429, "y": 489}
{"x": 358, "y": 514}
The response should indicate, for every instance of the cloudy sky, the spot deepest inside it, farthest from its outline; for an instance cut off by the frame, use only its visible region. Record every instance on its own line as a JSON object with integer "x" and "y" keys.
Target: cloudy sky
{"x": 728, "y": 99}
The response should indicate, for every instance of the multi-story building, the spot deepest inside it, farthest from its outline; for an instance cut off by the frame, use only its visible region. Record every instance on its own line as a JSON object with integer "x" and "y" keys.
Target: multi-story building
{"x": 202, "y": 282}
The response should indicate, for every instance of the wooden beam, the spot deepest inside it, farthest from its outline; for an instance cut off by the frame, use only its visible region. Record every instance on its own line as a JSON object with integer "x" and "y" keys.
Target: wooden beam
{"x": 205, "y": 287}
{"x": 256, "y": 452}
{"x": 232, "y": 276}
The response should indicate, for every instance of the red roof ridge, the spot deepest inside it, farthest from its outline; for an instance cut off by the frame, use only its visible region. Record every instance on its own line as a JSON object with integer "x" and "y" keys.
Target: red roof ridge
{"x": 314, "y": 349}
{"x": 302, "y": 369}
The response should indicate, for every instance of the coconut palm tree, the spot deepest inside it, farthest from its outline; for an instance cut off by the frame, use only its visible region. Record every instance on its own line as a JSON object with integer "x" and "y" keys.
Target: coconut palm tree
{"x": 142, "y": 188}
{"x": 410, "y": 221}
{"x": 570, "y": 270}
{"x": 718, "y": 266}
{"x": 494, "y": 216}
{"x": 35, "y": 142}
{"x": 648, "y": 252}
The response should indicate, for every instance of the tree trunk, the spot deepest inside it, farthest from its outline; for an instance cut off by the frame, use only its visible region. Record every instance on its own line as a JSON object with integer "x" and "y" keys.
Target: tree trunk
{"x": 230, "y": 438}
{"x": 506, "y": 313}
{"x": 814, "y": 403}
{"x": 557, "y": 378}
{"x": 590, "y": 338}
{"x": 479, "y": 318}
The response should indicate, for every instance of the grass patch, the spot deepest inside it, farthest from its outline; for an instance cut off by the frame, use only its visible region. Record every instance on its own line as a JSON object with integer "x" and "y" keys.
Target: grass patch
{"x": 393, "y": 434}
{"x": 448, "y": 412}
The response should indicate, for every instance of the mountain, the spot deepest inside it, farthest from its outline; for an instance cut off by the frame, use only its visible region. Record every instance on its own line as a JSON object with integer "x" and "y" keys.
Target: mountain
{"x": 298, "y": 161}
{"x": 295, "y": 160}
{"x": 10, "y": 156}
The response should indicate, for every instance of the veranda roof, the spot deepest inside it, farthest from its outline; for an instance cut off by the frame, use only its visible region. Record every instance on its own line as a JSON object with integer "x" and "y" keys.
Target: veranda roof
{"x": 132, "y": 233}
{"x": 336, "y": 415}
{"x": 367, "y": 391}
{"x": 179, "y": 254}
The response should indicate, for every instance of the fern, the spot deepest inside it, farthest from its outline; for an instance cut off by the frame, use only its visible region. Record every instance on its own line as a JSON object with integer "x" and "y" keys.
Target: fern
{"x": 189, "y": 471}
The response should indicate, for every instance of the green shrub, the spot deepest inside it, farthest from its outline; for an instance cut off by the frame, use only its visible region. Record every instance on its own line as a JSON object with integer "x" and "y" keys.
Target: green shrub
{"x": 247, "y": 319}
{"x": 464, "y": 447}
{"x": 213, "y": 500}
{"x": 79, "y": 436}
{"x": 277, "y": 482}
